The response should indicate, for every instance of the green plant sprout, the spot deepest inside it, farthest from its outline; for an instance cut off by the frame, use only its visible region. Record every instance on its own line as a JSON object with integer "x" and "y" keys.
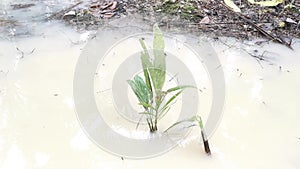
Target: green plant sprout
{"x": 199, "y": 123}
{"x": 149, "y": 91}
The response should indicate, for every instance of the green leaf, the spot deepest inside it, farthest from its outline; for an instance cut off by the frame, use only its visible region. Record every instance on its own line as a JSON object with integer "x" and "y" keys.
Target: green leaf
{"x": 173, "y": 97}
{"x": 163, "y": 112}
{"x": 158, "y": 42}
{"x": 159, "y": 63}
{"x": 166, "y": 106}
{"x": 199, "y": 120}
{"x": 179, "y": 122}
{"x": 147, "y": 113}
{"x": 232, "y": 5}
{"x": 196, "y": 118}
{"x": 146, "y": 64}
{"x": 140, "y": 89}
{"x": 133, "y": 87}
{"x": 146, "y": 105}
{"x": 179, "y": 88}
{"x": 144, "y": 48}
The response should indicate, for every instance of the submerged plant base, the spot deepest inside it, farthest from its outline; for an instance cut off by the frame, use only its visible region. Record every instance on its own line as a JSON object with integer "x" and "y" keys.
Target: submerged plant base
{"x": 153, "y": 129}
{"x": 205, "y": 142}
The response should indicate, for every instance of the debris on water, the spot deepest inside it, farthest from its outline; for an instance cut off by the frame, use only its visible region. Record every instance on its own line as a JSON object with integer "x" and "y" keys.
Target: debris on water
{"x": 69, "y": 15}
{"x": 21, "y": 6}
{"x": 61, "y": 13}
{"x": 90, "y": 14}
{"x": 289, "y": 20}
{"x": 205, "y": 20}
{"x": 274, "y": 23}
{"x": 280, "y": 23}
{"x": 7, "y": 22}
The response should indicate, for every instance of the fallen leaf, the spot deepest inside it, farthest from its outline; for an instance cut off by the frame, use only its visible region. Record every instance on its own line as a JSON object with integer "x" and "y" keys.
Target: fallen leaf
{"x": 93, "y": 6}
{"x": 289, "y": 6}
{"x": 289, "y": 20}
{"x": 205, "y": 20}
{"x": 105, "y": 11}
{"x": 232, "y": 5}
{"x": 251, "y": 1}
{"x": 281, "y": 24}
{"x": 106, "y": 6}
{"x": 70, "y": 13}
{"x": 113, "y": 5}
{"x": 108, "y": 15}
{"x": 269, "y": 3}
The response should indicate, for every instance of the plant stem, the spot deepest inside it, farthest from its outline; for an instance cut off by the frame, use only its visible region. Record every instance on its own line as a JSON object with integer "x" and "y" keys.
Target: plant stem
{"x": 205, "y": 141}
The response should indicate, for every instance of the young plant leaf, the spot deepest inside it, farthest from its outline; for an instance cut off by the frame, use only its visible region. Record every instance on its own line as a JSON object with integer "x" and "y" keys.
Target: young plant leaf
{"x": 134, "y": 88}
{"x": 146, "y": 64}
{"x": 173, "y": 97}
{"x": 192, "y": 119}
{"x": 146, "y": 105}
{"x": 159, "y": 63}
{"x": 147, "y": 113}
{"x": 179, "y": 88}
{"x": 142, "y": 88}
{"x": 163, "y": 112}
{"x": 139, "y": 88}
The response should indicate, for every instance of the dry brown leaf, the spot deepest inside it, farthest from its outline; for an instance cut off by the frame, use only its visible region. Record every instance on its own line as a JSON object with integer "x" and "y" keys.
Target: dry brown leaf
{"x": 108, "y": 15}
{"x": 113, "y": 6}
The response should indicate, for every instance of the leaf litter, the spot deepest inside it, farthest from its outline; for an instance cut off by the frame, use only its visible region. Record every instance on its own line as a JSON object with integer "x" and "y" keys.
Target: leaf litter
{"x": 275, "y": 20}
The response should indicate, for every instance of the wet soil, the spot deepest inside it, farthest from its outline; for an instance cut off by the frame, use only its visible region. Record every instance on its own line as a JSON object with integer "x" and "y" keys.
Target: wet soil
{"x": 212, "y": 17}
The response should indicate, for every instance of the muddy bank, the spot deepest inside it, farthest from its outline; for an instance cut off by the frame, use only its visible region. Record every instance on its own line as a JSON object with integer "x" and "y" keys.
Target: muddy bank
{"x": 279, "y": 23}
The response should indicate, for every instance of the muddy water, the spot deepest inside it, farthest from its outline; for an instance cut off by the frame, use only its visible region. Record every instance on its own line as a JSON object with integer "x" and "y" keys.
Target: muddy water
{"x": 39, "y": 129}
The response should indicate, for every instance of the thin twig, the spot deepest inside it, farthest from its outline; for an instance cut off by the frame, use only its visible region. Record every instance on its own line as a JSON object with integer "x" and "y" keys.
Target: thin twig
{"x": 273, "y": 38}
{"x": 62, "y": 12}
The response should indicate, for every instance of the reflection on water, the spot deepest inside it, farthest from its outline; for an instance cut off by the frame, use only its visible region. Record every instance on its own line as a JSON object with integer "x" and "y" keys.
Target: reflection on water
{"x": 39, "y": 129}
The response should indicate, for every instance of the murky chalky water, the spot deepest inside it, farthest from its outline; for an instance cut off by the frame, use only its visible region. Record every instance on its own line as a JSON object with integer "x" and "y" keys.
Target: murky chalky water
{"x": 39, "y": 129}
